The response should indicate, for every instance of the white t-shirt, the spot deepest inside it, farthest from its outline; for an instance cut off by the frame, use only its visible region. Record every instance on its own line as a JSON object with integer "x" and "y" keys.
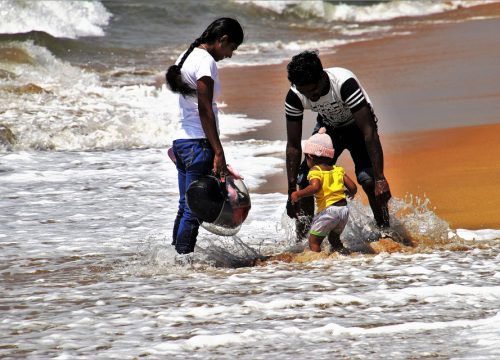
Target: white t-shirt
{"x": 345, "y": 96}
{"x": 197, "y": 65}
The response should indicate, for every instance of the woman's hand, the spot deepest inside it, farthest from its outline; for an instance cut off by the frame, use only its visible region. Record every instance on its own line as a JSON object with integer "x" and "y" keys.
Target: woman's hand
{"x": 220, "y": 166}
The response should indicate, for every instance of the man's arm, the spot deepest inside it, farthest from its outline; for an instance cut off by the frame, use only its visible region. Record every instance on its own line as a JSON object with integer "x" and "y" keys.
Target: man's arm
{"x": 293, "y": 152}
{"x": 354, "y": 98}
{"x": 294, "y": 111}
{"x": 366, "y": 123}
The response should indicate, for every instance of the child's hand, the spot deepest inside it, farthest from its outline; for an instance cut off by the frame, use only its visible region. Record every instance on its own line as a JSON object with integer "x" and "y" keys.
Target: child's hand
{"x": 294, "y": 197}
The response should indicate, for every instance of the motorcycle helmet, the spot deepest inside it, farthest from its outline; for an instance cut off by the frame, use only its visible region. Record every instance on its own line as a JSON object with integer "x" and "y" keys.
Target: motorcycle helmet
{"x": 220, "y": 205}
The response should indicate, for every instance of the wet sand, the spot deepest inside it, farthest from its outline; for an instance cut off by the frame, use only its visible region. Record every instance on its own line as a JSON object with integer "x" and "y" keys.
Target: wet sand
{"x": 458, "y": 169}
{"x": 430, "y": 90}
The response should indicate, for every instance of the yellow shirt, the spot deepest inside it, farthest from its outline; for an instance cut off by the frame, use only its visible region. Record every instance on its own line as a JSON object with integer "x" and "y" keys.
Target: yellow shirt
{"x": 332, "y": 186}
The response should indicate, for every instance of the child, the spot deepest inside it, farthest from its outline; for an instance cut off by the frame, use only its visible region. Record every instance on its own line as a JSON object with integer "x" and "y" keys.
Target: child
{"x": 326, "y": 183}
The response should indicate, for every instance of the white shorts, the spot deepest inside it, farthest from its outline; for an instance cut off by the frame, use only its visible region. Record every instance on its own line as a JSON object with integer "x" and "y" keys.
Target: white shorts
{"x": 333, "y": 218}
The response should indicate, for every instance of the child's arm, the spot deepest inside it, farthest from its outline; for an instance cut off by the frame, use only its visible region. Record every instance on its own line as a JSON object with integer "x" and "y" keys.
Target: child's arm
{"x": 313, "y": 188}
{"x": 352, "y": 189}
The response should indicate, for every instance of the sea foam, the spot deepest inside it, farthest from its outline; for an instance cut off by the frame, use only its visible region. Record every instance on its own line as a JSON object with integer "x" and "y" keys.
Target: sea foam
{"x": 484, "y": 234}
{"x": 79, "y": 112}
{"x": 378, "y": 11}
{"x": 68, "y": 19}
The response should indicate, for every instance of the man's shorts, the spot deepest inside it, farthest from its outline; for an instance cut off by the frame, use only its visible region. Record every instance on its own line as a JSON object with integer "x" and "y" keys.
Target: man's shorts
{"x": 333, "y": 218}
{"x": 351, "y": 138}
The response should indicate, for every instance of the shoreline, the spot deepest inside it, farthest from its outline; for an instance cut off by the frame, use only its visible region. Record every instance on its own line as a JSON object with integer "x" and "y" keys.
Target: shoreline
{"x": 429, "y": 164}
{"x": 438, "y": 76}
{"x": 438, "y": 135}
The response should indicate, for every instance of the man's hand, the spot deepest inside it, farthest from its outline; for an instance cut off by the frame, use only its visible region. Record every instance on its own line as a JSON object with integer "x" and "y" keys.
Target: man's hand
{"x": 382, "y": 191}
{"x": 291, "y": 207}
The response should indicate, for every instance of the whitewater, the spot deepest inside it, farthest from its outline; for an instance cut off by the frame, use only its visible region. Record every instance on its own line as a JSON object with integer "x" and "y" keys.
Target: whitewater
{"x": 88, "y": 197}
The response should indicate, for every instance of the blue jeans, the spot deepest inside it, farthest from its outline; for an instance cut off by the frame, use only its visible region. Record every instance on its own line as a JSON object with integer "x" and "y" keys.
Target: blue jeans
{"x": 194, "y": 159}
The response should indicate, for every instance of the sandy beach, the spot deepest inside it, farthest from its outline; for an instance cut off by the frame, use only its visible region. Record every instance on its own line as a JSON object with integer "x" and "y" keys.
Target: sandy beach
{"x": 437, "y": 105}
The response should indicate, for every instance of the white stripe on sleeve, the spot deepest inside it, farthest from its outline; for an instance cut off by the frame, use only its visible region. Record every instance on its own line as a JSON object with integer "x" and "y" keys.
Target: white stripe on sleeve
{"x": 354, "y": 105}
{"x": 292, "y": 111}
{"x": 355, "y": 99}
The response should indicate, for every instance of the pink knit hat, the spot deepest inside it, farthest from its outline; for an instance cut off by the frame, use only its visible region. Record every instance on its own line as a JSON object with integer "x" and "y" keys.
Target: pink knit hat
{"x": 320, "y": 144}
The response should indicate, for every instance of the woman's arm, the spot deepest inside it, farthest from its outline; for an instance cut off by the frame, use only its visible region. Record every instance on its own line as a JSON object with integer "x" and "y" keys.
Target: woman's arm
{"x": 205, "y": 91}
{"x": 313, "y": 188}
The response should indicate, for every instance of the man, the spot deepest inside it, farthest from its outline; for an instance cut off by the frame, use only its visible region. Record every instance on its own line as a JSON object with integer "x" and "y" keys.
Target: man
{"x": 344, "y": 109}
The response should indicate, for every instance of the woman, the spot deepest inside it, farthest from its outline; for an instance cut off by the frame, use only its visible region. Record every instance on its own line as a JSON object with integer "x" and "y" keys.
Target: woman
{"x": 197, "y": 148}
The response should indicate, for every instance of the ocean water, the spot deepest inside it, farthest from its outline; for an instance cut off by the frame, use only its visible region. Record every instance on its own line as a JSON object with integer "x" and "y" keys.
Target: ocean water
{"x": 88, "y": 198}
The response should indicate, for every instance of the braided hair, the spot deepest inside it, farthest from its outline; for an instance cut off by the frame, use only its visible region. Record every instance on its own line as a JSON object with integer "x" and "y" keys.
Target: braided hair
{"x": 214, "y": 31}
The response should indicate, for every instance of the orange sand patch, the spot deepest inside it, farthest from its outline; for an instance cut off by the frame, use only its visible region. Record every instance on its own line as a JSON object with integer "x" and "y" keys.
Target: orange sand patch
{"x": 457, "y": 169}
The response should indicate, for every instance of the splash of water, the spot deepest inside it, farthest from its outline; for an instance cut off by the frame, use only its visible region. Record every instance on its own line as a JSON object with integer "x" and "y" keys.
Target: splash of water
{"x": 412, "y": 221}
{"x": 413, "y": 215}
{"x": 411, "y": 218}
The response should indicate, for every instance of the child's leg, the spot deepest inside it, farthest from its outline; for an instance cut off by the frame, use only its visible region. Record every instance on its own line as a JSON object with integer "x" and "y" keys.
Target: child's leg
{"x": 315, "y": 242}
